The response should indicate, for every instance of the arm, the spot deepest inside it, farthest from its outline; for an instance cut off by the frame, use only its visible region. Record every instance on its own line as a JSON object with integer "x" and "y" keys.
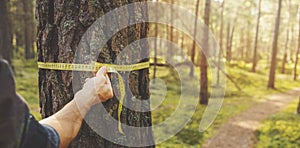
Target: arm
{"x": 67, "y": 121}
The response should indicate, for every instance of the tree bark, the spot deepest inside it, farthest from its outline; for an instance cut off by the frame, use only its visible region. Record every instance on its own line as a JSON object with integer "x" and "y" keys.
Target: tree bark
{"x": 170, "y": 48}
{"x": 297, "y": 50}
{"x": 271, "y": 82}
{"x": 242, "y": 46}
{"x": 284, "y": 59}
{"x": 6, "y": 46}
{"x": 230, "y": 35}
{"x": 298, "y": 108}
{"x": 155, "y": 47}
{"x": 26, "y": 18}
{"x": 230, "y": 43}
{"x": 61, "y": 24}
{"x": 204, "y": 95}
{"x": 194, "y": 42}
{"x": 291, "y": 51}
{"x": 285, "y": 53}
{"x": 254, "y": 63}
{"x": 221, "y": 40}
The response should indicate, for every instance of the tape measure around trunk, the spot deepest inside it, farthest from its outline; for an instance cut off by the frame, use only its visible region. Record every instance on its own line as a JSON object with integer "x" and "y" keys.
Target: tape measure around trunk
{"x": 111, "y": 68}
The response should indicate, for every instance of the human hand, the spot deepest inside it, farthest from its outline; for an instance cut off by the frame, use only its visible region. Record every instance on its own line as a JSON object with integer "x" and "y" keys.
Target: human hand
{"x": 104, "y": 89}
{"x": 98, "y": 88}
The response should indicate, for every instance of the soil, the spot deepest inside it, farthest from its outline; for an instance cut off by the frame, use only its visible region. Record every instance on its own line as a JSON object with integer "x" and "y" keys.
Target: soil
{"x": 239, "y": 131}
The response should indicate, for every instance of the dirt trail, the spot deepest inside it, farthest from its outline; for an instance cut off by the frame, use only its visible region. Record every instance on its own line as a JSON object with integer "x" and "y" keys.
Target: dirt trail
{"x": 238, "y": 132}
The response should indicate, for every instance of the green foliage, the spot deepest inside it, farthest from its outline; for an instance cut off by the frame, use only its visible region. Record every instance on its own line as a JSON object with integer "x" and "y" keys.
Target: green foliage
{"x": 280, "y": 130}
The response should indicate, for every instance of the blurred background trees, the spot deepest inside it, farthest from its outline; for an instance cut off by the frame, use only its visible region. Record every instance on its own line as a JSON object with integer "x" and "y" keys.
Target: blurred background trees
{"x": 253, "y": 35}
{"x": 245, "y": 31}
{"x": 17, "y": 29}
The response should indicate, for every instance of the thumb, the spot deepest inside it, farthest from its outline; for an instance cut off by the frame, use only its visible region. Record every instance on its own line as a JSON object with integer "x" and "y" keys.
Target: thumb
{"x": 102, "y": 71}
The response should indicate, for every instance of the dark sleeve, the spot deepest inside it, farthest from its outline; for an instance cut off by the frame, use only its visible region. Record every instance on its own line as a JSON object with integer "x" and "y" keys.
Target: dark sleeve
{"x": 38, "y": 135}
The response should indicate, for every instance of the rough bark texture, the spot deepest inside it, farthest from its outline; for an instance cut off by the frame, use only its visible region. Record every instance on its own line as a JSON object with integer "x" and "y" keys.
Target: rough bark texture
{"x": 61, "y": 24}
{"x": 271, "y": 83}
{"x": 203, "y": 66}
{"x": 5, "y": 32}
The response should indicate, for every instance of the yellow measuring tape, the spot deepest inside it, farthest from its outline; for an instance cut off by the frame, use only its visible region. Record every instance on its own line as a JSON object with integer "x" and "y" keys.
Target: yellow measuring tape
{"x": 111, "y": 68}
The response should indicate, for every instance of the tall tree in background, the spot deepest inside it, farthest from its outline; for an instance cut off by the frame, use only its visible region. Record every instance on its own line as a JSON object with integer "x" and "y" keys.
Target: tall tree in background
{"x": 298, "y": 49}
{"x": 271, "y": 82}
{"x": 221, "y": 40}
{"x": 248, "y": 42}
{"x": 61, "y": 24}
{"x": 298, "y": 108}
{"x": 285, "y": 53}
{"x": 28, "y": 28}
{"x": 23, "y": 27}
{"x": 204, "y": 95}
{"x": 230, "y": 35}
{"x": 291, "y": 51}
{"x": 254, "y": 63}
{"x": 155, "y": 46}
{"x": 284, "y": 59}
{"x": 170, "y": 48}
{"x": 194, "y": 42}
{"x": 6, "y": 47}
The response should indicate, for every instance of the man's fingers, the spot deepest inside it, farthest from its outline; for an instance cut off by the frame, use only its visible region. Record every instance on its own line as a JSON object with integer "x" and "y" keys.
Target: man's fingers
{"x": 102, "y": 71}
{"x": 107, "y": 80}
{"x": 86, "y": 79}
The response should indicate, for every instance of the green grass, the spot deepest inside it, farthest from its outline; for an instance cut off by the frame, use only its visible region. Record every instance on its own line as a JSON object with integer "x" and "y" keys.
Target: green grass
{"x": 253, "y": 90}
{"x": 280, "y": 130}
{"x": 26, "y": 75}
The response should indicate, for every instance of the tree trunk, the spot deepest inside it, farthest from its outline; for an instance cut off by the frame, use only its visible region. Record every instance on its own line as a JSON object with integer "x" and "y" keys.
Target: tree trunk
{"x": 298, "y": 108}
{"x": 271, "y": 83}
{"x": 61, "y": 24}
{"x": 297, "y": 51}
{"x": 155, "y": 47}
{"x": 256, "y": 38}
{"x": 18, "y": 26}
{"x": 5, "y": 32}
{"x": 170, "y": 50}
{"x": 242, "y": 46}
{"x": 194, "y": 42}
{"x": 182, "y": 43}
{"x": 292, "y": 44}
{"x": 285, "y": 52}
{"x": 248, "y": 52}
{"x": 230, "y": 33}
{"x": 221, "y": 40}
{"x": 26, "y": 18}
{"x": 227, "y": 41}
{"x": 204, "y": 95}
{"x": 230, "y": 44}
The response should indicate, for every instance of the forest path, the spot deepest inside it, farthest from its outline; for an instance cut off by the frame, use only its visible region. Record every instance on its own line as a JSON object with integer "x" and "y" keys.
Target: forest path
{"x": 239, "y": 131}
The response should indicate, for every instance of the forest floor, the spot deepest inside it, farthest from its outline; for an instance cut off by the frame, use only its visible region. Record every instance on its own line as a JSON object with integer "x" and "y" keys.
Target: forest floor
{"x": 239, "y": 131}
